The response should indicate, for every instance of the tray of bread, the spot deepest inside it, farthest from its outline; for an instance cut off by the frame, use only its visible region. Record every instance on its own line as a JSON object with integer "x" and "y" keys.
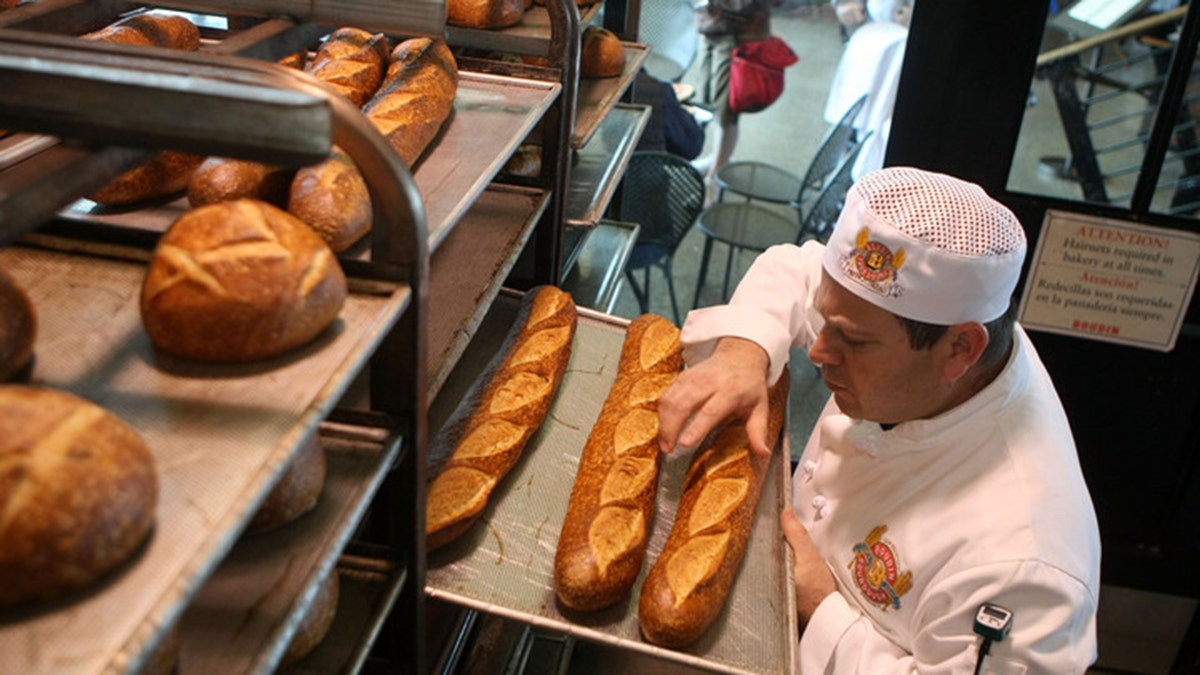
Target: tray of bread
{"x": 505, "y": 562}
{"x": 217, "y": 436}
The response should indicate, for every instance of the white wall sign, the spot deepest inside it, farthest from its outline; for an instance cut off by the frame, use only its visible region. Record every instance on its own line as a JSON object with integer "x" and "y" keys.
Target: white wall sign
{"x": 1110, "y": 280}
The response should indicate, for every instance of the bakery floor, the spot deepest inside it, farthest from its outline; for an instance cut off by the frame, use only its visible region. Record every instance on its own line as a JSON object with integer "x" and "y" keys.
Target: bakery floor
{"x": 1139, "y": 632}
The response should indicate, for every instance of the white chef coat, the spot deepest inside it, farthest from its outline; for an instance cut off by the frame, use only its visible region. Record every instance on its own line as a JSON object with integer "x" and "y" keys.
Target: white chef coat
{"x": 922, "y": 523}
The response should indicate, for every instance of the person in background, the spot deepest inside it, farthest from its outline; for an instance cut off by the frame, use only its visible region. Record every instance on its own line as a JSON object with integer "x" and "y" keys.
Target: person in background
{"x": 671, "y": 126}
{"x": 941, "y": 477}
{"x": 725, "y": 24}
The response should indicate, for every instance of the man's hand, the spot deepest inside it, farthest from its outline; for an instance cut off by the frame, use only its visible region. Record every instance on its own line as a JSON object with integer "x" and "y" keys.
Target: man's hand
{"x": 814, "y": 581}
{"x": 732, "y": 381}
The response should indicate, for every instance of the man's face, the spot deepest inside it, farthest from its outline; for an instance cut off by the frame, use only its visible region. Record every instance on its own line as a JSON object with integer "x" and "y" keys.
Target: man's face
{"x": 867, "y": 363}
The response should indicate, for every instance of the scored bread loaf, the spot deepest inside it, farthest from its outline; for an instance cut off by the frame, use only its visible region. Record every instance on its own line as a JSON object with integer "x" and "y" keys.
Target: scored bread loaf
{"x": 332, "y": 198}
{"x": 78, "y": 491}
{"x": 416, "y": 97}
{"x": 484, "y": 13}
{"x": 689, "y": 583}
{"x": 167, "y": 172}
{"x": 601, "y": 53}
{"x": 221, "y": 179}
{"x": 611, "y": 508}
{"x": 352, "y": 61}
{"x": 18, "y": 327}
{"x": 501, "y": 414}
{"x": 239, "y": 281}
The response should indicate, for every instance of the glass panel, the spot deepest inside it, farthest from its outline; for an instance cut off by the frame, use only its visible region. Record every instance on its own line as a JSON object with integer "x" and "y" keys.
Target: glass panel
{"x": 1093, "y": 100}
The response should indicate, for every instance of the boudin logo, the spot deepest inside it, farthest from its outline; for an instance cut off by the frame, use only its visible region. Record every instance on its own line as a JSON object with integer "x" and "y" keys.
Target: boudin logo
{"x": 874, "y": 264}
{"x": 876, "y": 569}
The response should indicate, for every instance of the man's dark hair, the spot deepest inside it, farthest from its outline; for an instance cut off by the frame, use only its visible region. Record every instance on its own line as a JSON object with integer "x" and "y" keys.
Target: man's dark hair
{"x": 923, "y": 335}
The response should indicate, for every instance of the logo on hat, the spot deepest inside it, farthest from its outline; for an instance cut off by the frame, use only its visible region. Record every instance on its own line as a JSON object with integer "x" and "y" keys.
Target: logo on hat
{"x": 877, "y": 570}
{"x": 874, "y": 264}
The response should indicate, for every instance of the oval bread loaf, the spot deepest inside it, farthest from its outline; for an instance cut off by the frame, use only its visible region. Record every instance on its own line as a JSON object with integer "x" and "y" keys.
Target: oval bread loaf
{"x": 353, "y": 62}
{"x": 239, "y": 281}
{"x": 416, "y": 97}
{"x": 78, "y": 492}
{"x": 18, "y": 327}
{"x": 690, "y": 581}
{"x": 221, "y": 179}
{"x": 297, "y": 491}
{"x": 508, "y": 407}
{"x": 611, "y": 508}
{"x": 601, "y": 53}
{"x": 484, "y": 13}
{"x": 315, "y": 624}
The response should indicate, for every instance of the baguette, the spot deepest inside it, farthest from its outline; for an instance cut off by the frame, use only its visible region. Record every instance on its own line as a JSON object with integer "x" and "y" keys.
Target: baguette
{"x": 417, "y": 96}
{"x": 167, "y": 172}
{"x": 611, "y": 508}
{"x": 352, "y": 61}
{"x": 690, "y": 581}
{"x": 503, "y": 414}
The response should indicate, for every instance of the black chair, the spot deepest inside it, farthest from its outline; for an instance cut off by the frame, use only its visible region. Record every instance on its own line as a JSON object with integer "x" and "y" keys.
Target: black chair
{"x": 751, "y": 227}
{"x": 663, "y": 193}
{"x": 765, "y": 182}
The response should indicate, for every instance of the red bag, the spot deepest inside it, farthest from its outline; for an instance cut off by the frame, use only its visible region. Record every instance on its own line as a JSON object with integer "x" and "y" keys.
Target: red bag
{"x": 756, "y": 74}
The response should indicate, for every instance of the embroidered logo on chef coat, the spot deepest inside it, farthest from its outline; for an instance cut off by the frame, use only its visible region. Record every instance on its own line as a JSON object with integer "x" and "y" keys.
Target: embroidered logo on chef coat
{"x": 874, "y": 264}
{"x": 876, "y": 570}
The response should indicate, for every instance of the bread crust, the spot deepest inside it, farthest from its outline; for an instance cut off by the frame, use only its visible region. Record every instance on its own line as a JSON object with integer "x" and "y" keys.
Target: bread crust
{"x": 484, "y": 13}
{"x": 18, "y": 327}
{"x": 78, "y": 492}
{"x": 601, "y": 53}
{"x": 482, "y": 446}
{"x": 332, "y": 198}
{"x": 416, "y": 97}
{"x": 168, "y": 172}
{"x": 221, "y": 179}
{"x": 612, "y": 504}
{"x": 315, "y": 624}
{"x": 239, "y": 281}
{"x": 690, "y": 581}
{"x": 297, "y": 491}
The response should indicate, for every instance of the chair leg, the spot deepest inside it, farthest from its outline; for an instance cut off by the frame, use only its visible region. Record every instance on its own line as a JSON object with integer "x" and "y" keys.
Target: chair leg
{"x": 700, "y": 278}
{"x": 666, "y": 269}
{"x": 637, "y": 291}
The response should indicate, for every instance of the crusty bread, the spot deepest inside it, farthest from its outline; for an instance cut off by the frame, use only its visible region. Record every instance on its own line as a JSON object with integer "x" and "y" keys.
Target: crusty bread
{"x": 505, "y": 411}
{"x": 601, "y": 53}
{"x": 297, "y": 491}
{"x": 221, "y": 179}
{"x": 353, "y": 62}
{"x": 417, "y": 96}
{"x": 151, "y": 29}
{"x": 239, "y": 281}
{"x": 18, "y": 327}
{"x": 332, "y": 198}
{"x": 484, "y": 13}
{"x": 611, "y": 509}
{"x": 318, "y": 618}
{"x": 78, "y": 492}
{"x": 690, "y": 581}
{"x": 167, "y": 172}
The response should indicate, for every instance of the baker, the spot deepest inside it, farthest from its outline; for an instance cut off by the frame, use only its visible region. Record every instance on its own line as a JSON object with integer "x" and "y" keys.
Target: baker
{"x": 940, "y": 517}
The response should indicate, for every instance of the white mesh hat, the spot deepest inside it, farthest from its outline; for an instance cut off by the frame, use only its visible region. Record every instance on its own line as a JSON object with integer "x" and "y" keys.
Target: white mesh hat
{"x": 926, "y": 246}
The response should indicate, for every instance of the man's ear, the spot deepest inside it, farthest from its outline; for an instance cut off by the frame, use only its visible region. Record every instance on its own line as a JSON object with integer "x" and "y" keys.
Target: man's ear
{"x": 965, "y": 344}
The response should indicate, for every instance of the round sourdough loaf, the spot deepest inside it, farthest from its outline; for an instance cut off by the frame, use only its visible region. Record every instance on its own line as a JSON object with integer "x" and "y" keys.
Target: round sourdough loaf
{"x": 315, "y": 623}
{"x": 297, "y": 490}
{"x": 239, "y": 281}
{"x": 484, "y": 13}
{"x": 18, "y": 327}
{"x": 78, "y": 490}
{"x": 601, "y": 53}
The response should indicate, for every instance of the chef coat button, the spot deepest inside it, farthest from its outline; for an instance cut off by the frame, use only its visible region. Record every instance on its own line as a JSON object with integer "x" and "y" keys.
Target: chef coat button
{"x": 821, "y": 506}
{"x": 819, "y": 501}
{"x": 809, "y": 467}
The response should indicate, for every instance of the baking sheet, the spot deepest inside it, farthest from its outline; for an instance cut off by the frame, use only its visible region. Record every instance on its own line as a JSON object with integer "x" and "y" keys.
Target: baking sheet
{"x": 504, "y": 564}
{"x": 220, "y": 435}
